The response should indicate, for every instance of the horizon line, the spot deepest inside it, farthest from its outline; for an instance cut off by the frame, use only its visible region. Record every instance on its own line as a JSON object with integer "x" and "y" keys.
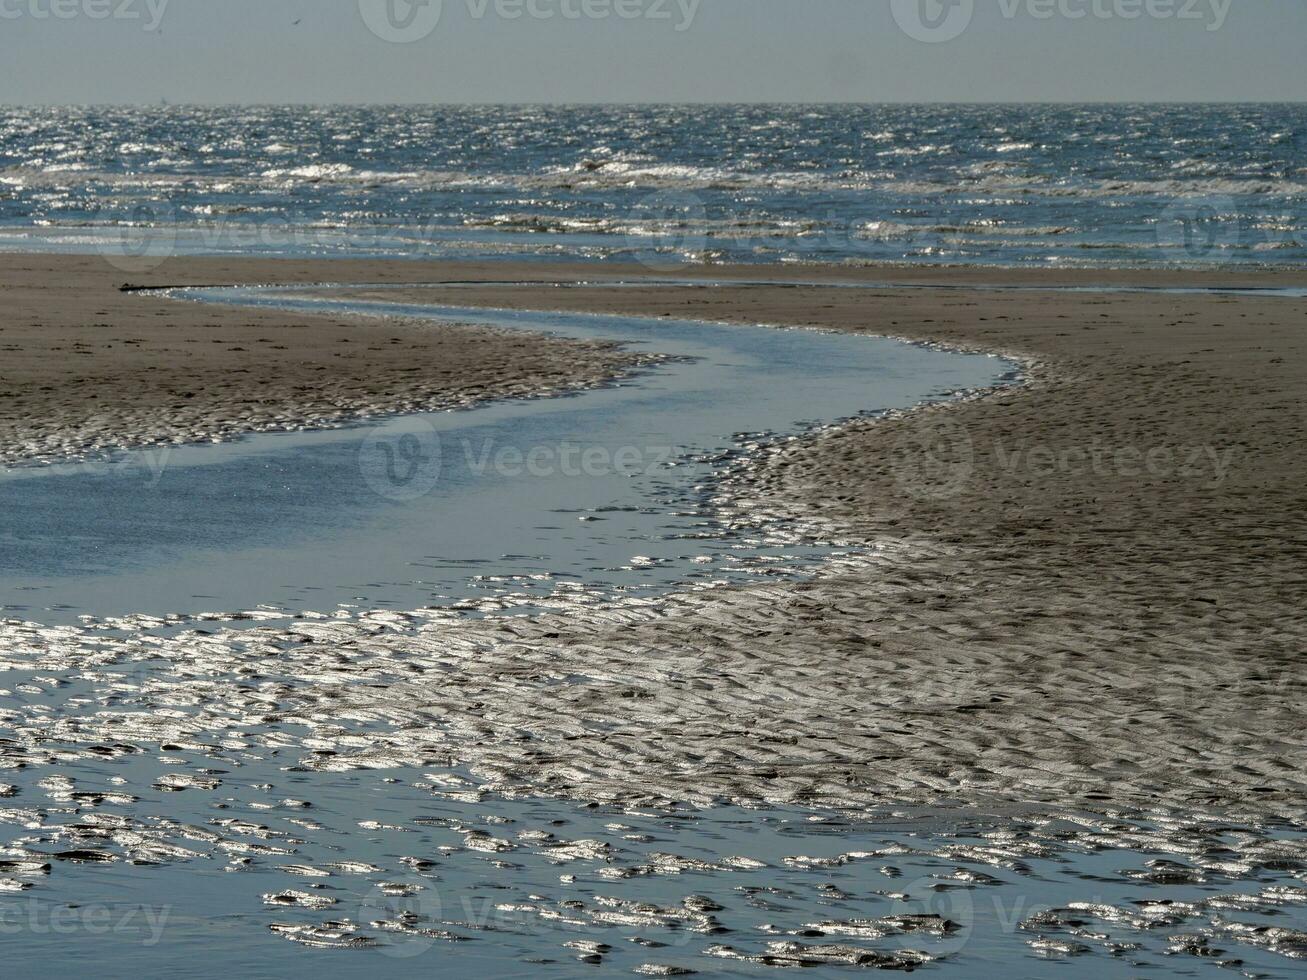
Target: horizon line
{"x": 640, "y": 104}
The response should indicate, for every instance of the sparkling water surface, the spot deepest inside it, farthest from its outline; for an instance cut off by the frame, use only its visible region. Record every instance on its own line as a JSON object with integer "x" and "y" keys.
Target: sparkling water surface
{"x": 1090, "y": 185}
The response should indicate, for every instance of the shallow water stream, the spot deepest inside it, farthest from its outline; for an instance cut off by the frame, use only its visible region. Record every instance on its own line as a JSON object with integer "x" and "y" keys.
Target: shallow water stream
{"x": 405, "y": 512}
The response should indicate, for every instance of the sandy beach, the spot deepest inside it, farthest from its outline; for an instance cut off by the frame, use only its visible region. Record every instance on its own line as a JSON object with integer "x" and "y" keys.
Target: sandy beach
{"x": 88, "y": 368}
{"x": 1086, "y": 598}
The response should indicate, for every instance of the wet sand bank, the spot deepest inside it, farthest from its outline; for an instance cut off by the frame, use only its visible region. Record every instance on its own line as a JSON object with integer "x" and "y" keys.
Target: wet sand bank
{"x": 1090, "y": 601}
{"x": 87, "y": 368}
{"x": 1088, "y": 596}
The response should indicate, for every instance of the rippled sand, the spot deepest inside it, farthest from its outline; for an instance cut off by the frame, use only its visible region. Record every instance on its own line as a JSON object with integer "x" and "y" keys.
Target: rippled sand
{"x": 369, "y": 770}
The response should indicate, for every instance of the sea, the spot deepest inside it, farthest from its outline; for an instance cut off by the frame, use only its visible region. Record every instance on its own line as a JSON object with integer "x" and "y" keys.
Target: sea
{"x": 1038, "y": 186}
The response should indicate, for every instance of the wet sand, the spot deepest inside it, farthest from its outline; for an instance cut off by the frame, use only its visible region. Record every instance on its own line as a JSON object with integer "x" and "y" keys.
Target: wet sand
{"x": 1088, "y": 595}
{"x": 87, "y": 368}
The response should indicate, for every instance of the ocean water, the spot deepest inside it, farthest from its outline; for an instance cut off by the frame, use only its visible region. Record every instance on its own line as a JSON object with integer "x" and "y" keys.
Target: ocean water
{"x": 1011, "y": 185}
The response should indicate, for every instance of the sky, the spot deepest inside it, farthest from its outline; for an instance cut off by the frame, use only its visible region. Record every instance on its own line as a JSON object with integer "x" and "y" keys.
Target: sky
{"x": 362, "y": 51}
